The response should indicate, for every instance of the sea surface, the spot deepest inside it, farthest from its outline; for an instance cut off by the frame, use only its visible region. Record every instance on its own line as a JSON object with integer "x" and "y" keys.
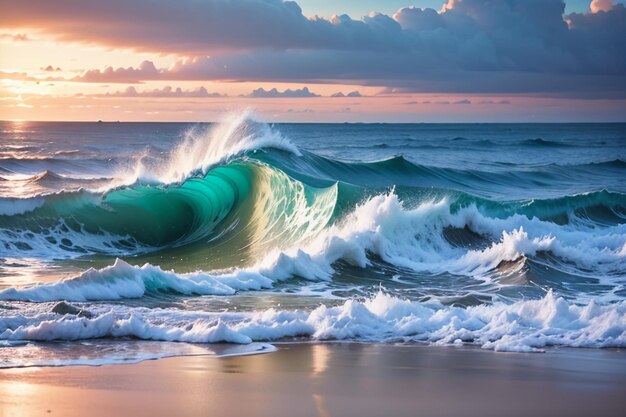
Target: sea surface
{"x": 119, "y": 241}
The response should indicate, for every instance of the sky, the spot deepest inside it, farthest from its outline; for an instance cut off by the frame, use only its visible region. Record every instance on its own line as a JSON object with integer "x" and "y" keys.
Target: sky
{"x": 314, "y": 60}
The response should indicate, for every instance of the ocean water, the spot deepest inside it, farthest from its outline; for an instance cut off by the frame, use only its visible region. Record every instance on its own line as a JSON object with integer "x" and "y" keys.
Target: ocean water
{"x": 511, "y": 237}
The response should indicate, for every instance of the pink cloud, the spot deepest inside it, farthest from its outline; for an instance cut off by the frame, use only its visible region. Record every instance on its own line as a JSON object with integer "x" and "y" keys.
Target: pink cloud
{"x": 15, "y": 37}
{"x": 288, "y": 93}
{"x": 145, "y": 71}
{"x": 350, "y": 94}
{"x": 600, "y": 6}
{"x": 165, "y": 92}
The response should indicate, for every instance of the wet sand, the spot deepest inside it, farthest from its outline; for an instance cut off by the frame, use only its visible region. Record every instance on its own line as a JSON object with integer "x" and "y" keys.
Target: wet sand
{"x": 331, "y": 380}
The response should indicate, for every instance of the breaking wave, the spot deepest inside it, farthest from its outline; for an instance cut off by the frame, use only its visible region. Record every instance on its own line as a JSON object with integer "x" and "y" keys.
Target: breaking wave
{"x": 247, "y": 210}
{"x": 524, "y": 326}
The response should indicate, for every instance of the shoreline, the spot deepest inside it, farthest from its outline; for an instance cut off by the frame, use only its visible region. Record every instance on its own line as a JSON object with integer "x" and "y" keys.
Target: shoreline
{"x": 331, "y": 379}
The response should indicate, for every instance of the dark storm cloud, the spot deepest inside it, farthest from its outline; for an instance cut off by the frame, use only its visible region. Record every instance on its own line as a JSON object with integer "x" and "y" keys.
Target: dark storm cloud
{"x": 470, "y": 46}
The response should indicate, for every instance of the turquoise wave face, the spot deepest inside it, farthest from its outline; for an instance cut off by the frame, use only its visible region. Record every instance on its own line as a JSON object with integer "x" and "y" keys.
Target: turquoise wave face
{"x": 151, "y": 216}
{"x": 175, "y": 215}
{"x": 255, "y": 204}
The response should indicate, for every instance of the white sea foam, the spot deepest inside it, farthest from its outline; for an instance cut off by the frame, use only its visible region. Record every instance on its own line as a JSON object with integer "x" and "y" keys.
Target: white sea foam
{"x": 62, "y": 242}
{"x": 109, "y": 351}
{"x": 522, "y": 326}
{"x": 414, "y": 239}
{"x": 120, "y": 281}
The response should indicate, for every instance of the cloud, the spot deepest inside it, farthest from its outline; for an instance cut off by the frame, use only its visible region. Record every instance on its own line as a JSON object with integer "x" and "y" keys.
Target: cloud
{"x": 306, "y": 110}
{"x": 470, "y": 46}
{"x": 503, "y": 102}
{"x": 460, "y": 102}
{"x": 167, "y": 91}
{"x": 350, "y": 94}
{"x": 22, "y": 76}
{"x": 600, "y": 6}
{"x": 190, "y": 27}
{"x": 274, "y": 93}
{"x": 146, "y": 71}
{"x": 15, "y": 37}
{"x": 442, "y": 102}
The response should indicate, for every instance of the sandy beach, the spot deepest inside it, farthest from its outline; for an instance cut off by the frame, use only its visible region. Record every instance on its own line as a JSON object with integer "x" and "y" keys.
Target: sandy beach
{"x": 330, "y": 380}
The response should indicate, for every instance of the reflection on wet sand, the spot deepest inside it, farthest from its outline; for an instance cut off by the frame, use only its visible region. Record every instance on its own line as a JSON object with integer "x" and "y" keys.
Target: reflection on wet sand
{"x": 320, "y": 355}
{"x": 323, "y": 380}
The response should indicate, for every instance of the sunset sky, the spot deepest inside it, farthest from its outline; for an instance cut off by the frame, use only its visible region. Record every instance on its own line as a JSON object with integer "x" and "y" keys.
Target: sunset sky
{"x": 314, "y": 60}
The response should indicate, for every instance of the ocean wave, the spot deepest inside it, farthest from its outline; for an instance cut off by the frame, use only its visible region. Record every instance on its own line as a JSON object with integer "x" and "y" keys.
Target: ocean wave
{"x": 45, "y": 177}
{"x": 544, "y": 143}
{"x": 412, "y": 238}
{"x": 598, "y": 208}
{"x": 614, "y": 163}
{"x": 523, "y": 326}
{"x": 50, "y": 178}
{"x": 241, "y": 196}
{"x": 400, "y": 171}
{"x": 121, "y": 280}
{"x": 266, "y": 203}
{"x": 15, "y": 206}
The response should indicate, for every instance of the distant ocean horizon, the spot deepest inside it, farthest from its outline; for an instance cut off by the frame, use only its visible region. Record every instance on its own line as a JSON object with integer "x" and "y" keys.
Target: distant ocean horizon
{"x": 507, "y": 236}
